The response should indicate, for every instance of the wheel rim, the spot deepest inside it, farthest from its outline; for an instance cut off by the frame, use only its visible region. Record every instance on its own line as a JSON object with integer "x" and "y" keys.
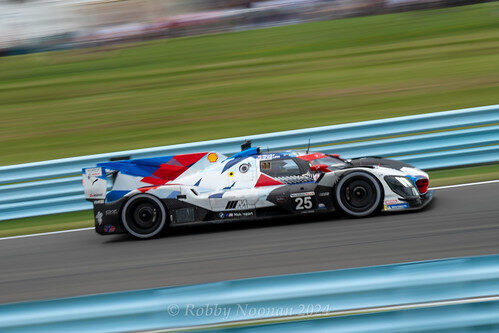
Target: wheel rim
{"x": 358, "y": 194}
{"x": 143, "y": 216}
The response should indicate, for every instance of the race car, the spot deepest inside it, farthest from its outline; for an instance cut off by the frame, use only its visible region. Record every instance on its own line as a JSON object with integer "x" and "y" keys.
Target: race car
{"x": 143, "y": 197}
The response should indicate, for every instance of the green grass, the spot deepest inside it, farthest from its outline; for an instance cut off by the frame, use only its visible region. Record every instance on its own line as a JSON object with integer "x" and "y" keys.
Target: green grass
{"x": 76, "y": 102}
{"x": 85, "y": 219}
{"x": 38, "y": 224}
{"x": 464, "y": 175}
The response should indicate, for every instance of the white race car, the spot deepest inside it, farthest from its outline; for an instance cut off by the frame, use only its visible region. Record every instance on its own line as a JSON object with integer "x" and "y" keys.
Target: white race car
{"x": 144, "y": 196}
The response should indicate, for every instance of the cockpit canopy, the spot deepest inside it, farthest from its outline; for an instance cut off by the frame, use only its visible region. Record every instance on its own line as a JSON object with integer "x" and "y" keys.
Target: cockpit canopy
{"x": 284, "y": 167}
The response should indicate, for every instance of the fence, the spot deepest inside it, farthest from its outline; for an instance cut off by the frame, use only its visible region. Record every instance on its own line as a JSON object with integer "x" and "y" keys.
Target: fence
{"x": 460, "y": 137}
{"x": 327, "y": 293}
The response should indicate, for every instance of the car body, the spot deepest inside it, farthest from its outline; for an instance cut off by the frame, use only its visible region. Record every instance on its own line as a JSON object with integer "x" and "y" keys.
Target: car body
{"x": 144, "y": 196}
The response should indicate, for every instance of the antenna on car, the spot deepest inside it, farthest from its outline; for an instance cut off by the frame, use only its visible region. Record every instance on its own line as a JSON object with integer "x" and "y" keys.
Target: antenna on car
{"x": 308, "y": 147}
{"x": 246, "y": 145}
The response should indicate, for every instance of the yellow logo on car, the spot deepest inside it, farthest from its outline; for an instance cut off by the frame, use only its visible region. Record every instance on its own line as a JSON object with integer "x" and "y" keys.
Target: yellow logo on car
{"x": 212, "y": 157}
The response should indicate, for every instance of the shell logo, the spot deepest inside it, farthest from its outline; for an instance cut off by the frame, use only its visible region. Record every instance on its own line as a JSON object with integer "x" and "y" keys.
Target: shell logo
{"x": 212, "y": 157}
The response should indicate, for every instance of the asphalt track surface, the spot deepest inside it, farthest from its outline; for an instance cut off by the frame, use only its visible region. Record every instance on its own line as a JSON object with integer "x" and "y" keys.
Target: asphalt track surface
{"x": 462, "y": 221}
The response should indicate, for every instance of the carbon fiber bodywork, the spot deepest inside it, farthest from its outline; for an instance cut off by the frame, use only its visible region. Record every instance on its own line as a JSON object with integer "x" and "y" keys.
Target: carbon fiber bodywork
{"x": 107, "y": 217}
{"x": 285, "y": 198}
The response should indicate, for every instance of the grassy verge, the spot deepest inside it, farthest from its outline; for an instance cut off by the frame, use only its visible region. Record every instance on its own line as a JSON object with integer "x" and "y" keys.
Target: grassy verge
{"x": 85, "y": 219}
{"x": 78, "y": 102}
{"x": 38, "y": 224}
{"x": 464, "y": 175}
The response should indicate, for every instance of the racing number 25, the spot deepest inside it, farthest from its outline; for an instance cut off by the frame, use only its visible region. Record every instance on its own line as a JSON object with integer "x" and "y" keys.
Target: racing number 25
{"x": 303, "y": 203}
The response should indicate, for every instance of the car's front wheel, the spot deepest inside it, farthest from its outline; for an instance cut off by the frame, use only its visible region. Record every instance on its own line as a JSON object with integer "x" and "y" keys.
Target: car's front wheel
{"x": 143, "y": 216}
{"x": 358, "y": 194}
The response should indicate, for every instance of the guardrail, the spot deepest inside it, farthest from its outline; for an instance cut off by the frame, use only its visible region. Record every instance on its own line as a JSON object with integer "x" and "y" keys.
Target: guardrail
{"x": 33, "y": 189}
{"x": 331, "y": 294}
{"x": 474, "y": 317}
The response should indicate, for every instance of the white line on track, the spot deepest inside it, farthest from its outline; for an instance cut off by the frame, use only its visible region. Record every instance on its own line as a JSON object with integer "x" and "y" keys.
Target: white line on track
{"x": 91, "y": 228}
{"x": 47, "y": 233}
{"x": 468, "y": 184}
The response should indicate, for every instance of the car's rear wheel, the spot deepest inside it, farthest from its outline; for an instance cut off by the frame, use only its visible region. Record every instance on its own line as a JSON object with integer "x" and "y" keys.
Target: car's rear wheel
{"x": 143, "y": 216}
{"x": 358, "y": 194}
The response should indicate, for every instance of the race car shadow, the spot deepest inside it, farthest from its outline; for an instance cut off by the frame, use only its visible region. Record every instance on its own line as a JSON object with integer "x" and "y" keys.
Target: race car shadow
{"x": 334, "y": 217}
{"x": 246, "y": 224}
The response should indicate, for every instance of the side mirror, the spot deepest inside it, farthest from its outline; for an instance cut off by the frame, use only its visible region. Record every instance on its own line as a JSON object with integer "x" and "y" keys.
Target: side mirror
{"x": 319, "y": 168}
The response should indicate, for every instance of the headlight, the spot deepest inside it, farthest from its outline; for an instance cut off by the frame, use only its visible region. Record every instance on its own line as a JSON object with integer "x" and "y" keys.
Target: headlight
{"x": 402, "y": 186}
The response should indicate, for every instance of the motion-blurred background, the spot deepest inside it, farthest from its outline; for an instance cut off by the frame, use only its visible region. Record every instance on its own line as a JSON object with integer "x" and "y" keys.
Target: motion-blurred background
{"x": 34, "y": 25}
{"x": 143, "y": 73}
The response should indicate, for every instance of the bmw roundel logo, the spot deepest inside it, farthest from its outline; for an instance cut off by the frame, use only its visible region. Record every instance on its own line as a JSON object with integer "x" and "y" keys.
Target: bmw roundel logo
{"x": 221, "y": 215}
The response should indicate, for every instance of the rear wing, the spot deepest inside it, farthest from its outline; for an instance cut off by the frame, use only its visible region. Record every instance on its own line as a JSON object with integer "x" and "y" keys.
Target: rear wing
{"x": 94, "y": 183}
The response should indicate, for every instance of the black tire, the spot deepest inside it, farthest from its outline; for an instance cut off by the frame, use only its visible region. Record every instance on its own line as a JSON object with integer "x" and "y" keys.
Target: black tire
{"x": 143, "y": 216}
{"x": 358, "y": 194}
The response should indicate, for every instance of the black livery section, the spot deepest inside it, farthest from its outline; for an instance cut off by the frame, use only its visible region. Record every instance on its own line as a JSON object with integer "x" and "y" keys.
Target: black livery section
{"x": 108, "y": 217}
{"x": 302, "y": 198}
{"x": 288, "y": 200}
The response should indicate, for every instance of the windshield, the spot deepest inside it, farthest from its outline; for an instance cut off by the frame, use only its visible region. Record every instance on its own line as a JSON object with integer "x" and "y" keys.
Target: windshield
{"x": 280, "y": 168}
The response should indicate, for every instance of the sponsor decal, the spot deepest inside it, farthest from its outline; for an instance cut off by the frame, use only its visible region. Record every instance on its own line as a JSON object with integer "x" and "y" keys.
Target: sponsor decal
{"x": 98, "y": 217}
{"x": 391, "y": 202}
{"x": 112, "y": 212}
{"x": 232, "y": 215}
{"x": 270, "y": 156}
{"x": 397, "y": 206}
{"x": 93, "y": 172}
{"x": 237, "y": 204}
{"x": 281, "y": 199}
{"x": 321, "y": 206}
{"x": 303, "y": 194}
{"x": 109, "y": 228}
{"x": 212, "y": 157}
{"x": 324, "y": 194}
{"x": 242, "y": 204}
